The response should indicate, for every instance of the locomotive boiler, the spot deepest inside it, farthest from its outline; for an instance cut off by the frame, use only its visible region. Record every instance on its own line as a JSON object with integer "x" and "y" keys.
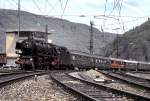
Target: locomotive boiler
{"x": 35, "y": 54}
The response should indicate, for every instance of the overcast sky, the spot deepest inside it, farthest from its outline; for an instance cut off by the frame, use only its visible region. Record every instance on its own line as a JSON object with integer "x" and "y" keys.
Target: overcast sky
{"x": 131, "y": 12}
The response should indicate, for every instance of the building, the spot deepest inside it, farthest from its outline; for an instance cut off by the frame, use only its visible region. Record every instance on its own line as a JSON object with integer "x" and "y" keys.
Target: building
{"x": 13, "y": 36}
{"x": 2, "y": 42}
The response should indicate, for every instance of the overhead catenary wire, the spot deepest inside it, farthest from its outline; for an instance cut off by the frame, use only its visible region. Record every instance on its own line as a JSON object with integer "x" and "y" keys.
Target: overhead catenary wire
{"x": 37, "y": 6}
{"x": 105, "y": 9}
{"x": 120, "y": 19}
{"x": 12, "y": 3}
{"x": 117, "y": 6}
{"x": 64, "y": 8}
{"x": 52, "y": 7}
{"x": 61, "y": 5}
{"x": 63, "y": 13}
{"x": 114, "y": 7}
{"x": 16, "y": 3}
{"x": 45, "y": 7}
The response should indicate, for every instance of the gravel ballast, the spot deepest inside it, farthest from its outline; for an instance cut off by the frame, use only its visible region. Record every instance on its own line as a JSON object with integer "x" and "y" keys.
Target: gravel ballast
{"x": 116, "y": 84}
{"x": 42, "y": 89}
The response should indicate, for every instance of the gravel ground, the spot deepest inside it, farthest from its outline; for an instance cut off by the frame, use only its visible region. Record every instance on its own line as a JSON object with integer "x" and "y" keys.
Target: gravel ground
{"x": 44, "y": 89}
{"x": 140, "y": 75}
{"x": 91, "y": 75}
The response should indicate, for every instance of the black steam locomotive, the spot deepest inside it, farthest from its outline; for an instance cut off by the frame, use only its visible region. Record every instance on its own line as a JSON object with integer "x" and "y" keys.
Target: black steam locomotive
{"x": 35, "y": 54}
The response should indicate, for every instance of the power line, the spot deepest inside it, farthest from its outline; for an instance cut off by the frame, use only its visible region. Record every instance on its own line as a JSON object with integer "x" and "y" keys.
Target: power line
{"x": 105, "y": 8}
{"x": 120, "y": 7}
{"x": 52, "y": 7}
{"x": 63, "y": 13}
{"x": 45, "y": 9}
{"x": 129, "y": 21}
{"x": 37, "y": 6}
{"x": 120, "y": 19}
{"x": 95, "y": 16}
{"x": 21, "y": 6}
{"x": 61, "y": 4}
{"x": 64, "y": 8}
{"x": 105, "y": 13}
{"x": 13, "y": 3}
{"x": 114, "y": 6}
{"x": 104, "y": 21}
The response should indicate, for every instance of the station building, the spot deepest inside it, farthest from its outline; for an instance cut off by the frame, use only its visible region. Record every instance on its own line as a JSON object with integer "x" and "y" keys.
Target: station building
{"x": 2, "y": 41}
{"x": 13, "y": 36}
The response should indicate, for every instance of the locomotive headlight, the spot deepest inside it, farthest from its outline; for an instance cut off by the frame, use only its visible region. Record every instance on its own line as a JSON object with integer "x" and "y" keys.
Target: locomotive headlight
{"x": 31, "y": 59}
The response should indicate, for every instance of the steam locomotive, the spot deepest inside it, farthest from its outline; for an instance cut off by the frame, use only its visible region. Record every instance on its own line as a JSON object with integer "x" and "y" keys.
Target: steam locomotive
{"x": 35, "y": 54}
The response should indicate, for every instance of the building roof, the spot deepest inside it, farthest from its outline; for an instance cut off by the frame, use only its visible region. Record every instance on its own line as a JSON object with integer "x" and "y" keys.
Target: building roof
{"x": 29, "y": 30}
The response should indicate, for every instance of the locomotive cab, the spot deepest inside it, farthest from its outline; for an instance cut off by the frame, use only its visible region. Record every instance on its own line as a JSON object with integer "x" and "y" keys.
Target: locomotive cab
{"x": 63, "y": 57}
{"x": 18, "y": 45}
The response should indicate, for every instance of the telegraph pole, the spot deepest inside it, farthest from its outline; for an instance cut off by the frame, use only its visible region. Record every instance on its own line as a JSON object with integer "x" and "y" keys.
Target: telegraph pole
{"x": 117, "y": 46}
{"x": 91, "y": 37}
{"x": 46, "y": 28}
{"x": 18, "y": 17}
{"x": 46, "y": 32}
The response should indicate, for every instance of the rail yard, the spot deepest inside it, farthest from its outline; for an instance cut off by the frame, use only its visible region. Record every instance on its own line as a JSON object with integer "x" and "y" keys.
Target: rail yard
{"x": 71, "y": 75}
{"x": 71, "y": 85}
{"x": 58, "y": 56}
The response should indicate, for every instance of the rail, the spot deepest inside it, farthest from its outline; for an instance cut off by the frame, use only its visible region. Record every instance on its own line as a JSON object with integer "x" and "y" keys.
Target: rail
{"x": 85, "y": 89}
{"x": 8, "y": 78}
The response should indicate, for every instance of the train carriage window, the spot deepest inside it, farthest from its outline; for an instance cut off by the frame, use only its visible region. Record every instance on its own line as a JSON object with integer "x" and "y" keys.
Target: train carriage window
{"x": 80, "y": 56}
{"x": 92, "y": 59}
{"x": 48, "y": 46}
{"x": 104, "y": 61}
{"x": 73, "y": 57}
{"x": 77, "y": 57}
{"x": 100, "y": 61}
{"x": 96, "y": 60}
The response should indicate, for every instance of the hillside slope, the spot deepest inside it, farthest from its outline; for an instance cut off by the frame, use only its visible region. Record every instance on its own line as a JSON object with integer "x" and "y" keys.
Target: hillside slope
{"x": 72, "y": 35}
{"x": 135, "y": 44}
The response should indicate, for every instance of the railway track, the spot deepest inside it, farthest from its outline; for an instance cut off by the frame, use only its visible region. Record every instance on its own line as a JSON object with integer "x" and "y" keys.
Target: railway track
{"x": 139, "y": 81}
{"x": 89, "y": 91}
{"x": 14, "y": 76}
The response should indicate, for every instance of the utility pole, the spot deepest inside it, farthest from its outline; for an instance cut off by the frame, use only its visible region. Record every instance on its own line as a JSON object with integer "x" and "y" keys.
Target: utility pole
{"x": 117, "y": 45}
{"x": 103, "y": 34}
{"x": 91, "y": 37}
{"x": 18, "y": 17}
{"x": 46, "y": 28}
{"x": 46, "y": 32}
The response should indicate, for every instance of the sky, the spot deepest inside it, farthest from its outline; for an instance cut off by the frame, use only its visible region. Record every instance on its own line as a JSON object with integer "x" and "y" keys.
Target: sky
{"x": 115, "y": 16}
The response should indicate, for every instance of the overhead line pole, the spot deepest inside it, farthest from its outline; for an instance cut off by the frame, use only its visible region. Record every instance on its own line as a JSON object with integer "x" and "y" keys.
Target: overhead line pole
{"x": 18, "y": 18}
{"x": 46, "y": 28}
{"x": 91, "y": 37}
{"x": 117, "y": 44}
